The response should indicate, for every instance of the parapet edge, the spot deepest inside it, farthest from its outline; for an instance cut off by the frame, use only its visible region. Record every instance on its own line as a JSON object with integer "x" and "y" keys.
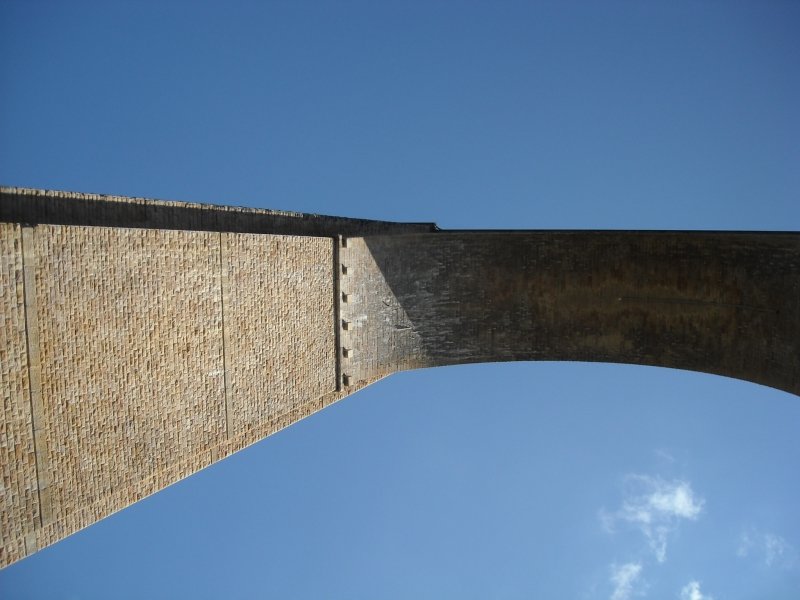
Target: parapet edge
{"x": 53, "y": 207}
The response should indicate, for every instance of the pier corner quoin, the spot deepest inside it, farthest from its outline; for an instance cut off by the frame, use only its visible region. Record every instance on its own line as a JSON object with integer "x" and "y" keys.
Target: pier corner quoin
{"x": 144, "y": 340}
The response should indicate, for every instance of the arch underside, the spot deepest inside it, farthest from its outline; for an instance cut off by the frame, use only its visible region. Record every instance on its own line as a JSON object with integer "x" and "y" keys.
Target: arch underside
{"x": 720, "y": 303}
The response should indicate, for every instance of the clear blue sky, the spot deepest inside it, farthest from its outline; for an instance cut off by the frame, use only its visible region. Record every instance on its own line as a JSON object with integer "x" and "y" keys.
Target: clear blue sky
{"x": 545, "y": 480}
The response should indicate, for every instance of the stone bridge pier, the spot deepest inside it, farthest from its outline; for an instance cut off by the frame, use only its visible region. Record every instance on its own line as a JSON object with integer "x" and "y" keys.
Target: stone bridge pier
{"x": 141, "y": 340}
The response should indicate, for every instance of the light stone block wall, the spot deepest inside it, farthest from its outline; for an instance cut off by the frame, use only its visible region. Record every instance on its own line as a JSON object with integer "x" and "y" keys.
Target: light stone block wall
{"x": 130, "y": 344}
{"x": 279, "y": 326}
{"x": 160, "y": 352}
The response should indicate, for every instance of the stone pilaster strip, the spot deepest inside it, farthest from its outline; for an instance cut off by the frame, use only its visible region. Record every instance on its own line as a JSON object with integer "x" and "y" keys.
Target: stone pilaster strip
{"x": 19, "y": 498}
{"x": 224, "y": 286}
{"x": 39, "y": 421}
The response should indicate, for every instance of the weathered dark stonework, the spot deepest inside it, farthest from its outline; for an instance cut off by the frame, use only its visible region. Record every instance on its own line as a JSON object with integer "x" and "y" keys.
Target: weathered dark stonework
{"x": 144, "y": 340}
{"x": 719, "y": 302}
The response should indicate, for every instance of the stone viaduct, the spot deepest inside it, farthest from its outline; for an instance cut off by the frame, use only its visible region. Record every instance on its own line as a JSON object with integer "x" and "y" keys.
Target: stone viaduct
{"x": 141, "y": 340}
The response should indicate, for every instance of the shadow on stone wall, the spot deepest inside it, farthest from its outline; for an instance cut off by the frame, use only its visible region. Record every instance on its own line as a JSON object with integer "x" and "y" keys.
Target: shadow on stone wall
{"x": 721, "y": 303}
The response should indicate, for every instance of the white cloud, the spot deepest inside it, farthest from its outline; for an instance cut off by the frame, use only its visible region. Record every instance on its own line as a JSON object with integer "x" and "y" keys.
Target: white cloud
{"x": 664, "y": 455}
{"x": 745, "y": 544}
{"x": 770, "y": 548}
{"x": 675, "y": 500}
{"x": 775, "y": 549}
{"x": 655, "y": 507}
{"x": 625, "y": 578}
{"x": 691, "y": 591}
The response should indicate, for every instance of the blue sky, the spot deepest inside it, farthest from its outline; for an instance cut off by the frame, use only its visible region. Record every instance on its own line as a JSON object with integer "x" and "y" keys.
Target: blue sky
{"x": 530, "y": 480}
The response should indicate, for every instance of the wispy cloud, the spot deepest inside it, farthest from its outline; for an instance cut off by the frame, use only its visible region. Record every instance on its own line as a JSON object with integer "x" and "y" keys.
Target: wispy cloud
{"x": 745, "y": 544}
{"x": 664, "y": 455}
{"x": 769, "y": 548}
{"x": 655, "y": 506}
{"x": 776, "y": 549}
{"x": 691, "y": 591}
{"x": 625, "y": 579}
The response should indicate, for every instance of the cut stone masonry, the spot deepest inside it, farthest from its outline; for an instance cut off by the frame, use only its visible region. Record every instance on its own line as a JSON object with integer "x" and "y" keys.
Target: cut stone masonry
{"x": 142, "y": 341}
